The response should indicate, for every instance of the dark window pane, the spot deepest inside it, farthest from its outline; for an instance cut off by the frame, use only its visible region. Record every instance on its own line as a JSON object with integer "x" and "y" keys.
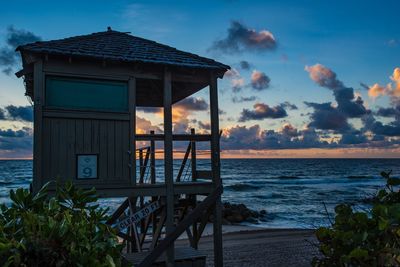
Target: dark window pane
{"x": 86, "y": 94}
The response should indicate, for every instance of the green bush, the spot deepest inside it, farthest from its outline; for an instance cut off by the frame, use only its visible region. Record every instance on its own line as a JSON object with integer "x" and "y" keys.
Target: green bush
{"x": 369, "y": 238}
{"x": 66, "y": 229}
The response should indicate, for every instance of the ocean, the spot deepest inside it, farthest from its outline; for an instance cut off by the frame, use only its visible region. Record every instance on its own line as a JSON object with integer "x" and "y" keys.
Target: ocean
{"x": 292, "y": 191}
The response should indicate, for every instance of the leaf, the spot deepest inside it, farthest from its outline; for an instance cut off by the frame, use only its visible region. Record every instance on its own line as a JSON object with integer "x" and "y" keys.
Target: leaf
{"x": 110, "y": 261}
{"x": 393, "y": 181}
{"x": 358, "y": 253}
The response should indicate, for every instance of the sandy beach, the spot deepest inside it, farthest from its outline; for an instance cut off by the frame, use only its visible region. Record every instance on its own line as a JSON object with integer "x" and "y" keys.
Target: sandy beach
{"x": 254, "y": 246}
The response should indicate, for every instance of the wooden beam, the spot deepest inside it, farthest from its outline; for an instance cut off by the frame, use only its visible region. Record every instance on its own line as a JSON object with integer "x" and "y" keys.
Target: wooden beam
{"x": 183, "y": 165}
{"x": 60, "y": 113}
{"x": 168, "y": 163}
{"x": 158, "y": 230}
{"x": 39, "y": 101}
{"x": 175, "y": 137}
{"x": 132, "y": 129}
{"x": 215, "y": 167}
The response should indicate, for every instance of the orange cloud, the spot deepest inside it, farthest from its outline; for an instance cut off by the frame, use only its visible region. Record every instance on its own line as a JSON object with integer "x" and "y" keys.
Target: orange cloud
{"x": 377, "y": 90}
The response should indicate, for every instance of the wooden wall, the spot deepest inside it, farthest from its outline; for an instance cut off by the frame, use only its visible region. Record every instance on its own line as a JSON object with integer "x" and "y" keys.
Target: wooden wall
{"x": 64, "y": 138}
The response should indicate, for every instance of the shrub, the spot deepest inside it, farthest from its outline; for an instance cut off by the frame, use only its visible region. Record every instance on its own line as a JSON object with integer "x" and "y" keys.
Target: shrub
{"x": 66, "y": 229}
{"x": 364, "y": 238}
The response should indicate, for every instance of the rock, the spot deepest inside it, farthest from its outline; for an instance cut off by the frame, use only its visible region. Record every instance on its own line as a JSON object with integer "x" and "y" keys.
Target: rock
{"x": 238, "y": 213}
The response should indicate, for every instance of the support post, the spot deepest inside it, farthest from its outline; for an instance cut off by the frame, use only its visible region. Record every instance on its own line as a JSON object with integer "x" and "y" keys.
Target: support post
{"x": 38, "y": 87}
{"x": 132, "y": 129}
{"x": 194, "y": 178}
{"x": 168, "y": 167}
{"x": 153, "y": 177}
{"x": 215, "y": 167}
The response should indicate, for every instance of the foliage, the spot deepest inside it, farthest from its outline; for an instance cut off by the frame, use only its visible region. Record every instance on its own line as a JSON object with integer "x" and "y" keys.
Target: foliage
{"x": 364, "y": 238}
{"x": 66, "y": 229}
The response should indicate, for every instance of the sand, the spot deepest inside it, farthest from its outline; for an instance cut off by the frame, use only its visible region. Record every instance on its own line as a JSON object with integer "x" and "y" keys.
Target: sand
{"x": 254, "y": 246}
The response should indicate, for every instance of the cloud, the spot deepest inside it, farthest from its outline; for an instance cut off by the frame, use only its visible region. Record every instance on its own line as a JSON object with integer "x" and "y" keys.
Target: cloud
{"x": 288, "y": 105}
{"x": 180, "y": 112}
{"x": 150, "y": 109}
{"x": 16, "y": 143}
{"x": 244, "y": 65}
{"x": 19, "y": 113}
{"x": 2, "y": 114}
{"x": 15, "y": 37}
{"x": 289, "y": 137}
{"x": 192, "y": 104}
{"x": 145, "y": 126}
{"x": 241, "y": 99}
{"x": 263, "y": 111}
{"x": 349, "y": 104}
{"x": 259, "y": 80}
{"x": 237, "y": 85}
{"x": 289, "y": 130}
{"x": 15, "y": 133}
{"x": 376, "y": 90}
{"x": 204, "y": 125}
{"x": 255, "y": 138}
{"x": 323, "y": 76}
{"x": 388, "y": 112}
{"x": 326, "y": 117}
{"x": 392, "y": 90}
{"x": 240, "y": 38}
{"x": 378, "y": 128}
{"x": 237, "y": 82}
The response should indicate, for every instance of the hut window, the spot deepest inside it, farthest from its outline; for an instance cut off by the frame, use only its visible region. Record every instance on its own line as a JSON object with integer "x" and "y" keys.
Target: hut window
{"x": 86, "y": 94}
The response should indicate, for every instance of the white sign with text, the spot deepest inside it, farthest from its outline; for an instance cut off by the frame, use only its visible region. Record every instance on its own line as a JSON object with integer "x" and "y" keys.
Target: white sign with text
{"x": 87, "y": 167}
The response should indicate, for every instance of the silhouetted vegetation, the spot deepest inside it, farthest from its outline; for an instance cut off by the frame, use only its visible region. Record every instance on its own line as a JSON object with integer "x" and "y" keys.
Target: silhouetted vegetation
{"x": 66, "y": 229}
{"x": 369, "y": 238}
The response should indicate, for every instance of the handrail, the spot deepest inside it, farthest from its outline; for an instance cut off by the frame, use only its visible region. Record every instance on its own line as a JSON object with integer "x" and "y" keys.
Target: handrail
{"x": 181, "y": 227}
{"x": 175, "y": 137}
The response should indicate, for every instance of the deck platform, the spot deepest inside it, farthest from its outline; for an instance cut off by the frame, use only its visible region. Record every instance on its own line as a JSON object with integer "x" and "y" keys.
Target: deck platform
{"x": 158, "y": 189}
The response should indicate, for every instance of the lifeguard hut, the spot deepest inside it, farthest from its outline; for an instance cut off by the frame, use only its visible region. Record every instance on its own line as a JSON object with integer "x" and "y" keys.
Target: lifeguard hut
{"x": 85, "y": 91}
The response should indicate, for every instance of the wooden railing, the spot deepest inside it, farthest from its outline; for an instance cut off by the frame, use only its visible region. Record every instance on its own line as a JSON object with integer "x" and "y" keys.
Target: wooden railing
{"x": 146, "y": 156}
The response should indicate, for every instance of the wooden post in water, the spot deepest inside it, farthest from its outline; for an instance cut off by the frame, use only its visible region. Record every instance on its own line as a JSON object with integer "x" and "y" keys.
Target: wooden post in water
{"x": 168, "y": 164}
{"x": 215, "y": 167}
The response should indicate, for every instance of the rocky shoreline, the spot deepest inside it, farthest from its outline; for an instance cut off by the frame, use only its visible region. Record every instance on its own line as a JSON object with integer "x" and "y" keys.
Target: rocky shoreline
{"x": 239, "y": 213}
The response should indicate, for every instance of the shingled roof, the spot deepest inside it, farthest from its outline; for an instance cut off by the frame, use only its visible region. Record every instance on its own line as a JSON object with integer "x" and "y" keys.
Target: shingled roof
{"x": 123, "y": 47}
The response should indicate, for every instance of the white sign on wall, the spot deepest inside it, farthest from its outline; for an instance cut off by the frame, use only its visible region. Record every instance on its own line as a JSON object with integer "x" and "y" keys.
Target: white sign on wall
{"x": 87, "y": 166}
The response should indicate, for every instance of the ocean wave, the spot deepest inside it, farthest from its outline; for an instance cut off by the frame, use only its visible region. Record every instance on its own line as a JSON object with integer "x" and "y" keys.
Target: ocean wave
{"x": 242, "y": 187}
{"x": 288, "y": 177}
{"x": 360, "y": 176}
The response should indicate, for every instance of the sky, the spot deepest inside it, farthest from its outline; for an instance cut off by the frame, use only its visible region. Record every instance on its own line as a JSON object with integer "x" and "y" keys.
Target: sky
{"x": 307, "y": 79}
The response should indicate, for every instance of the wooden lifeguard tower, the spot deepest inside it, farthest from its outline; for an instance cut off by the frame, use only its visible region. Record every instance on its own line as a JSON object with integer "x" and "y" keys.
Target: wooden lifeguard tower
{"x": 85, "y": 91}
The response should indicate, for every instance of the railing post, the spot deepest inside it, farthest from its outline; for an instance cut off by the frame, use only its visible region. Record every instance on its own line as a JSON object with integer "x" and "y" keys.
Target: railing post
{"x": 141, "y": 166}
{"x": 193, "y": 156}
{"x": 152, "y": 160}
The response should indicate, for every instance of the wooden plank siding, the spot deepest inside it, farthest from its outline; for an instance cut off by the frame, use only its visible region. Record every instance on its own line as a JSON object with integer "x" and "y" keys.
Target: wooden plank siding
{"x": 64, "y": 138}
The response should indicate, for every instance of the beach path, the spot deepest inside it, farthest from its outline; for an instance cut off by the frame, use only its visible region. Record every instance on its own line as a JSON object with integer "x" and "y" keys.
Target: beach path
{"x": 266, "y": 247}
